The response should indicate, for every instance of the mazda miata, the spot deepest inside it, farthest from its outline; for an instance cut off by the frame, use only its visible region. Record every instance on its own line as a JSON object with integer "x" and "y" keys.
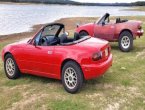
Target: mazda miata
{"x": 120, "y": 30}
{"x": 51, "y": 53}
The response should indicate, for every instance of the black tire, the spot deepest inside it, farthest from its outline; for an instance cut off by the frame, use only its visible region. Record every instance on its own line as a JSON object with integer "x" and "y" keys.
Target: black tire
{"x": 83, "y": 33}
{"x": 78, "y": 73}
{"x": 128, "y": 44}
{"x": 15, "y": 72}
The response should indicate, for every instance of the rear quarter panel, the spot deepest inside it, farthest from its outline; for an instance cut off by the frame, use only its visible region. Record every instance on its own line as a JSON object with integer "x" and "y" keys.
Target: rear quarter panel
{"x": 81, "y": 55}
{"x": 132, "y": 26}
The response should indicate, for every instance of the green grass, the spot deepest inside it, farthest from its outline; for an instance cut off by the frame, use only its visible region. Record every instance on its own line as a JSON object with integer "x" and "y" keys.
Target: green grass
{"x": 67, "y": 105}
{"x": 121, "y": 88}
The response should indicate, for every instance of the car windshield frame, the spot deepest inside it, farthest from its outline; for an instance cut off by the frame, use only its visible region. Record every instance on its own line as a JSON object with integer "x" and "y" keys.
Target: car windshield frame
{"x": 101, "y": 19}
{"x": 62, "y": 27}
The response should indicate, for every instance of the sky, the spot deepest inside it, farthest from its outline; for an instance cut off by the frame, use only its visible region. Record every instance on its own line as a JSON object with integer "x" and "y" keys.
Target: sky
{"x": 108, "y": 1}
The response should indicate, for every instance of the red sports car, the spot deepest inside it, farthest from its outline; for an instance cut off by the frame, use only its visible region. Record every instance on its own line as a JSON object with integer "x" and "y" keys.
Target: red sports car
{"x": 122, "y": 31}
{"x": 51, "y": 53}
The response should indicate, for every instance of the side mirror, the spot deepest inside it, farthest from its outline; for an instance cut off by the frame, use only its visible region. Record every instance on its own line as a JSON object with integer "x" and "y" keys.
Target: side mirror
{"x": 103, "y": 23}
{"x": 77, "y": 24}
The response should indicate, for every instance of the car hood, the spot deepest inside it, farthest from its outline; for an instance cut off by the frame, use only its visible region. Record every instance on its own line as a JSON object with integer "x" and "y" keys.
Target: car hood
{"x": 23, "y": 41}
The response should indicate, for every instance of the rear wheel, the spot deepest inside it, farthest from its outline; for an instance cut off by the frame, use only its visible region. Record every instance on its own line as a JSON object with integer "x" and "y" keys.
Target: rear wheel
{"x": 11, "y": 68}
{"x": 72, "y": 77}
{"x": 125, "y": 41}
{"x": 83, "y": 33}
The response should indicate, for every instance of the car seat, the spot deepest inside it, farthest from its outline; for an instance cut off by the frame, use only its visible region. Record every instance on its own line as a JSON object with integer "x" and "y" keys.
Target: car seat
{"x": 118, "y": 20}
{"x": 63, "y": 38}
{"x": 76, "y": 36}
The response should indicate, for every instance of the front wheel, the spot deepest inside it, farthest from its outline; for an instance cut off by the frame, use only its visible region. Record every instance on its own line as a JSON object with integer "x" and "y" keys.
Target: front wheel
{"x": 125, "y": 41}
{"x": 72, "y": 77}
{"x": 11, "y": 68}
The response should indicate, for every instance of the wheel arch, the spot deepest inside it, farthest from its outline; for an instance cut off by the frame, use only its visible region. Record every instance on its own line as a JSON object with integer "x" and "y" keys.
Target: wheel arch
{"x": 5, "y": 54}
{"x": 84, "y": 31}
{"x": 126, "y": 30}
{"x": 67, "y": 60}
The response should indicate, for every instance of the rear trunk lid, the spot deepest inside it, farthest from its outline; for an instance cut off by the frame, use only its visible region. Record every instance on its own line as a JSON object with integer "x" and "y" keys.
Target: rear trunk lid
{"x": 97, "y": 45}
{"x": 94, "y": 43}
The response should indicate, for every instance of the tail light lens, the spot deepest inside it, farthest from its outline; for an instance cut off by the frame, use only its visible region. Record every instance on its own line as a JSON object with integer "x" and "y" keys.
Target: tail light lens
{"x": 103, "y": 54}
{"x": 140, "y": 27}
{"x": 106, "y": 52}
{"x": 97, "y": 56}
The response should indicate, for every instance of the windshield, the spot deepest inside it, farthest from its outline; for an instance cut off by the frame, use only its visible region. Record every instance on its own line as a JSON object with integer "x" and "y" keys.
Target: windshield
{"x": 54, "y": 35}
{"x": 50, "y": 30}
{"x": 103, "y": 18}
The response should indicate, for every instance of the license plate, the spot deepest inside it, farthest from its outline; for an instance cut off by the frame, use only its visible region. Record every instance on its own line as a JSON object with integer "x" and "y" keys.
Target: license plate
{"x": 106, "y": 52}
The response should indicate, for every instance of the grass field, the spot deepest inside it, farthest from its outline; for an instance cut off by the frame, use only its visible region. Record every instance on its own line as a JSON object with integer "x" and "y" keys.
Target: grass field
{"x": 121, "y": 88}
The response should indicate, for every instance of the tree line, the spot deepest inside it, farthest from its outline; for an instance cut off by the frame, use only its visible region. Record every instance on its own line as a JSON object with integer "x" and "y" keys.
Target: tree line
{"x": 139, "y": 3}
{"x": 71, "y": 2}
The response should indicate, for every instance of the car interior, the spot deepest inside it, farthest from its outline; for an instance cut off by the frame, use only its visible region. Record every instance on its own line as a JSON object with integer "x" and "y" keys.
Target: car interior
{"x": 62, "y": 39}
{"x": 58, "y": 40}
{"x": 106, "y": 20}
{"x": 55, "y": 34}
{"x": 118, "y": 20}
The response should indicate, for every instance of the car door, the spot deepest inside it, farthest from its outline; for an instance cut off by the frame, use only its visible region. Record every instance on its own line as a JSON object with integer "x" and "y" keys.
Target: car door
{"x": 39, "y": 58}
{"x": 104, "y": 31}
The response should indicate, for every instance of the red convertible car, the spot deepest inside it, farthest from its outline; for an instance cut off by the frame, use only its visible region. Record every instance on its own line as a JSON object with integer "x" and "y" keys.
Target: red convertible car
{"x": 51, "y": 53}
{"x": 122, "y": 31}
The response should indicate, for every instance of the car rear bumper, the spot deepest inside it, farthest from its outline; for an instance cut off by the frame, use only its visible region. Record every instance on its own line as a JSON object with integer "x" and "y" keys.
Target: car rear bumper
{"x": 140, "y": 32}
{"x": 95, "y": 70}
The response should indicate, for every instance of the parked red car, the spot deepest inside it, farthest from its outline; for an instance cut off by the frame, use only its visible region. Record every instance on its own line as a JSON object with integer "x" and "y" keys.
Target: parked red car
{"x": 51, "y": 53}
{"x": 122, "y": 31}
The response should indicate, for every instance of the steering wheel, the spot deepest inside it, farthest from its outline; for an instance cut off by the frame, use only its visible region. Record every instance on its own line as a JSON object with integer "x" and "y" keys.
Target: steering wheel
{"x": 44, "y": 41}
{"x": 55, "y": 41}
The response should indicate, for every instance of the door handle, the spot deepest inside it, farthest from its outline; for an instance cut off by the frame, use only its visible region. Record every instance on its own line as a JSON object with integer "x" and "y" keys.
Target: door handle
{"x": 49, "y": 52}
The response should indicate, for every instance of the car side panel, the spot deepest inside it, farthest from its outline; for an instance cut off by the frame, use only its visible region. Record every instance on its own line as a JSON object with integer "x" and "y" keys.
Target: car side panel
{"x": 130, "y": 26}
{"x": 104, "y": 31}
{"x": 40, "y": 67}
{"x": 89, "y": 28}
{"x": 83, "y": 56}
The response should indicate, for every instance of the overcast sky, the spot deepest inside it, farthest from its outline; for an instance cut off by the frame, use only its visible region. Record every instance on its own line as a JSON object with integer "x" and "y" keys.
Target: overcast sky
{"x": 108, "y": 1}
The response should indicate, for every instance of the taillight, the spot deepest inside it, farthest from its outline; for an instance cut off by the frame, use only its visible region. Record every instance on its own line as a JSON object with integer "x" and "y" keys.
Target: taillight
{"x": 106, "y": 52}
{"x": 140, "y": 27}
{"x": 97, "y": 56}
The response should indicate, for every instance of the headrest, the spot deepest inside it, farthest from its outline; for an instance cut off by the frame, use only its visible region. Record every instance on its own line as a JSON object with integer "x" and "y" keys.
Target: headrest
{"x": 76, "y": 36}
